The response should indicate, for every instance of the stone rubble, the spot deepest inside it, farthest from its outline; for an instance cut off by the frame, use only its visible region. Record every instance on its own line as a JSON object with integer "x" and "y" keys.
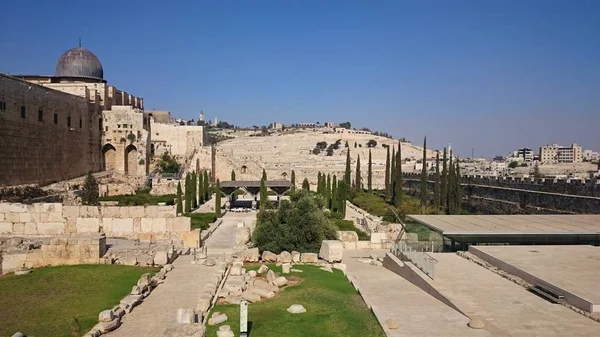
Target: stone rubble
{"x": 296, "y": 309}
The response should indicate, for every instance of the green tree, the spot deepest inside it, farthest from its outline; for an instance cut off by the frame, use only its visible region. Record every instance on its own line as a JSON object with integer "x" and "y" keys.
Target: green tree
{"x": 334, "y": 192}
{"x": 513, "y": 164}
{"x": 358, "y": 178}
{"x": 168, "y": 164}
{"x": 305, "y": 185}
{"x": 293, "y": 180}
{"x": 328, "y": 187}
{"x": 232, "y": 175}
{"x": 457, "y": 193}
{"x": 347, "y": 173}
{"x": 90, "y": 190}
{"x": 387, "y": 173}
{"x": 263, "y": 194}
{"x": 444, "y": 187}
{"x": 398, "y": 192}
{"x": 393, "y": 175}
{"x": 201, "y": 188}
{"x": 188, "y": 198}
{"x": 218, "y": 199}
{"x": 451, "y": 201}
{"x": 424, "y": 177}
{"x": 341, "y": 198}
{"x": 370, "y": 173}
{"x": 437, "y": 191}
{"x": 179, "y": 201}
{"x": 194, "y": 191}
{"x": 264, "y": 175}
{"x": 319, "y": 191}
{"x": 346, "y": 125}
{"x": 536, "y": 172}
{"x": 355, "y": 145}
{"x": 207, "y": 194}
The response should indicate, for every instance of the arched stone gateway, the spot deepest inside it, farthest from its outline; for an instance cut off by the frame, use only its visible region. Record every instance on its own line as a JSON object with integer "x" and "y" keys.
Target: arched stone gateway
{"x": 131, "y": 159}
{"x": 284, "y": 176}
{"x": 109, "y": 157}
{"x": 244, "y": 169}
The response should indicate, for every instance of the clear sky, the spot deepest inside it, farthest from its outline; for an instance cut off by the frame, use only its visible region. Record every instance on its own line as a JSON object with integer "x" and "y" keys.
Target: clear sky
{"x": 484, "y": 74}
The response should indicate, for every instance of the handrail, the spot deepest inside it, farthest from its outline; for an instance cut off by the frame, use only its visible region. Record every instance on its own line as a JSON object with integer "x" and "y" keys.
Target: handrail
{"x": 421, "y": 260}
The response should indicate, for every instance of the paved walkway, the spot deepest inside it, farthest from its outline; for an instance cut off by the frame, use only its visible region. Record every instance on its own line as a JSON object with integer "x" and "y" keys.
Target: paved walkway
{"x": 392, "y": 297}
{"x": 159, "y": 310}
{"x": 222, "y": 241}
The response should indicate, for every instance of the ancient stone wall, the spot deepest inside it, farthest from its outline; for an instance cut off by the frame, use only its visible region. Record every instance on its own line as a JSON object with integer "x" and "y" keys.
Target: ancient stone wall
{"x": 182, "y": 141}
{"x": 146, "y": 223}
{"x": 45, "y": 135}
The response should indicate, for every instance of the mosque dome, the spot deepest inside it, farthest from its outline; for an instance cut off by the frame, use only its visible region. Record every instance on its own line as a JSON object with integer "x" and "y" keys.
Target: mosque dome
{"x": 79, "y": 62}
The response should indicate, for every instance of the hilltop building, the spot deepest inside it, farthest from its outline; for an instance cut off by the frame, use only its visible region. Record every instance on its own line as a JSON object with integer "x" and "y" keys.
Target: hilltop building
{"x": 554, "y": 153}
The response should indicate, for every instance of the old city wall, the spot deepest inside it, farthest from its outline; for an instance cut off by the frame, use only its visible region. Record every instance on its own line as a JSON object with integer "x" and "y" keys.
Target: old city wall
{"x": 145, "y": 223}
{"x": 182, "y": 141}
{"x": 34, "y": 151}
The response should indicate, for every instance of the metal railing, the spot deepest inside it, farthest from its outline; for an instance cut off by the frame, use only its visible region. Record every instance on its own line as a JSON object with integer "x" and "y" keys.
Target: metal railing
{"x": 420, "y": 259}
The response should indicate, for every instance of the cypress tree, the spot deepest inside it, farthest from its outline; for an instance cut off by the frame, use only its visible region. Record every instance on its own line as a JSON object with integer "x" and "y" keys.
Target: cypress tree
{"x": 319, "y": 182}
{"x": 194, "y": 194}
{"x": 179, "y": 201}
{"x": 293, "y": 180}
{"x": 347, "y": 173}
{"x": 264, "y": 176}
{"x": 457, "y": 193}
{"x": 370, "y": 173}
{"x": 355, "y": 145}
{"x": 334, "y": 194}
{"x": 450, "y": 201}
{"x": 437, "y": 192}
{"x": 201, "y": 188}
{"x": 328, "y": 196}
{"x": 387, "y": 173}
{"x": 342, "y": 198}
{"x": 232, "y": 175}
{"x": 358, "y": 178}
{"x": 263, "y": 194}
{"x": 444, "y": 187}
{"x": 305, "y": 185}
{"x": 391, "y": 184}
{"x": 398, "y": 179}
{"x": 207, "y": 195}
{"x": 424, "y": 176}
{"x": 218, "y": 199}
{"x": 188, "y": 194}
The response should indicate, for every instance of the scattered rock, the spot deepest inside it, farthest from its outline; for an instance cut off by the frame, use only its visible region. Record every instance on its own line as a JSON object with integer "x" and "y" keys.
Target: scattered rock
{"x": 285, "y": 257}
{"x": 252, "y": 273}
{"x": 309, "y": 258}
{"x": 235, "y": 270}
{"x": 295, "y": 256}
{"x": 327, "y": 268}
{"x": 92, "y": 333}
{"x": 209, "y": 262}
{"x": 20, "y": 272}
{"x": 391, "y": 324}
{"x": 296, "y": 309}
{"x": 280, "y": 281}
{"x": 476, "y": 323}
{"x": 105, "y": 327}
{"x": 136, "y": 290}
{"x": 331, "y": 251}
{"x": 217, "y": 319}
{"x": 18, "y": 334}
{"x": 161, "y": 258}
{"x": 118, "y": 312}
{"x": 168, "y": 267}
{"x": 233, "y": 299}
{"x": 264, "y": 293}
{"x": 296, "y": 270}
{"x": 250, "y": 255}
{"x": 262, "y": 284}
{"x": 186, "y": 316}
{"x": 106, "y": 316}
{"x": 144, "y": 280}
{"x": 263, "y": 269}
{"x": 268, "y": 256}
{"x": 285, "y": 268}
{"x": 270, "y": 276}
{"x": 250, "y": 296}
{"x": 225, "y": 333}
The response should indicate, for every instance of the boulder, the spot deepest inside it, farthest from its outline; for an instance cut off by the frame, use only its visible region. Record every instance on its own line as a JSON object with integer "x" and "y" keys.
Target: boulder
{"x": 262, "y": 284}
{"x": 144, "y": 280}
{"x": 295, "y": 256}
{"x": 296, "y": 309}
{"x": 391, "y": 324}
{"x": 118, "y": 312}
{"x": 168, "y": 267}
{"x": 105, "y": 327}
{"x": 293, "y": 270}
{"x": 285, "y": 257}
{"x": 250, "y": 255}
{"x": 347, "y": 236}
{"x": 161, "y": 258}
{"x": 225, "y": 333}
{"x": 130, "y": 301}
{"x": 233, "y": 299}
{"x": 250, "y": 296}
{"x": 252, "y": 273}
{"x": 186, "y": 316}
{"x": 309, "y": 258}
{"x": 270, "y": 276}
{"x": 280, "y": 281}
{"x": 263, "y": 269}
{"x": 267, "y": 256}
{"x": 106, "y": 316}
{"x": 332, "y": 251}
{"x": 285, "y": 268}
{"x": 217, "y": 319}
{"x": 264, "y": 293}
{"x": 18, "y": 334}
{"x": 235, "y": 271}
{"x": 136, "y": 290}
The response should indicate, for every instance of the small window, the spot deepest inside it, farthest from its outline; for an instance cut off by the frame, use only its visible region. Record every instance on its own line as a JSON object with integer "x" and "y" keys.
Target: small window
{"x": 23, "y": 111}
{"x": 55, "y": 118}
{"x": 40, "y": 115}
{"x": 2, "y": 106}
{"x": 131, "y": 126}
{"x": 106, "y": 128}
{"x": 80, "y": 123}
{"x": 69, "y": 121}
{"x": 118, "y": 126}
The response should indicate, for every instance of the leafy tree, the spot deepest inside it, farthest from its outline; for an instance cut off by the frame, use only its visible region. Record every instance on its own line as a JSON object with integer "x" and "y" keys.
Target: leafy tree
{"x": 263, "y": 195}
{"x": 218, "y": 199}
{"x": 372, "y": 143}
{"x": 264, "y": 175}
{"x": 321, "y": 145}
{"x": 444, "y": 190}
{"x": 179, "y": 201}
{"x": 387, "y": 173}
{"x": 370, "y": 173}
{"x": 536, "y": 172}
{"x": 232, "y": 175}
{"x": 319, "y": 191}
{"x": 293, "y": 180}
{"x": 513, "y": 164}
{"x": 90, "y": 190}
{"x": 347, "y": 172}
{"x": 305, "y": 185}
{"x": 437, "y": 191}
{"x": 193, "y": 188}
{"x": 346, "y": 125}
{"x": 168, "y": 164}
{"x": 424, "y": 177}
{"x": 358, "y": 178}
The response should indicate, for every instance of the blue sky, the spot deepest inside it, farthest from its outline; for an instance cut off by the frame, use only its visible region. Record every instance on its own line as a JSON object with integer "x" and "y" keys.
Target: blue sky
{"x": 488, "y": 75}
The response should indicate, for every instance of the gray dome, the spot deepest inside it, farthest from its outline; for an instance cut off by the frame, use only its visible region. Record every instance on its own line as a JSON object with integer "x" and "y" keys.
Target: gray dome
{"x": 79, "y": 62}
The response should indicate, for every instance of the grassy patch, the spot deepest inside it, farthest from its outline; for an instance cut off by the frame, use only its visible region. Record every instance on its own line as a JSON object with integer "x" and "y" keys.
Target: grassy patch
{"x": 347, "y": 225}
{"x": 141, "y": 198}
{"x": 201, "y": 220}
{"x": 44, "y": 302}
{"x": 333, "y": 306}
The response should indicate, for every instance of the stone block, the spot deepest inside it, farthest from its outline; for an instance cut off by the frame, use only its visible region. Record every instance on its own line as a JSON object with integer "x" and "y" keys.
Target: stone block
{"x": 285, "y": 268}
{"x": 55, "y": 217}
{"x": 130, "y": 301}
{"x": 250, "y": 296}
{"x": 136, "y": 211}
{"x": 111, "y": 211}
{"x": 331, "y": 250}
{"x": 71, "y": 211}
{"x": 250, "y": 255}
{"x": 71, "y": 226}
{"x": 122, "y": 225}
{"x": 146, "y": 225}
{"x": 349, "y": 245}
{"x": 88, "y": 225}
{"x": 151, "y": 211}
{"x": 179, "y": 224}
{"x": 161, "y": 258}
{"x": 52, "y": 207}
{"x": 17, "y": 208}
{"x": 378, "y": 237}
{"x": 165, "y": 211}
{"x": 24, "y": 217}
{"x": 268, "y": 256}
{"x": 295, "y": 256}
{"x": 309, "y": 258}
{"x": 280, "y": 281}
{"x": 89, "y": 212}
{"x": 1, "y": 217}
{"x": 191, "y": 239}
{"x": 217, "y": 318}
{"x": 264, "y": 293}
{"x": 186, "y": 316}
{"x": 137, "y": 225}
{"x": 18, "y": 228}
{"x": 31, "y": 228}
{"x": 5, "y": 207}
{"x": 124, "y": 212}
{"x": 363, "y": 244}
{"x": 106, "y": 316}
{"x": 51, "y": 228}
{"x": 284, "y": 257}
{"x": 347, "y": 236}
{"x": 12, "y": 217}
{"x": 36, "y": 217}
{"x": 6, "y": 228}
{"x": 159, "y": 225}
{"x": 105, "y": 327}
{"x": 107, "y": 224}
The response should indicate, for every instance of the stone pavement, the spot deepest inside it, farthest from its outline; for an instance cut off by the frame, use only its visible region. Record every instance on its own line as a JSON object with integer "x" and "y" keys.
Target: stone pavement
{"x": 158, "y": 311}
{"x": 392, "y": 297}
{"x": 222, "y": 241}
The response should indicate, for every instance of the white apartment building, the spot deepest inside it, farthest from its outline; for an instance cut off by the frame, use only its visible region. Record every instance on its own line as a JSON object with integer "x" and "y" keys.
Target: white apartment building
{"x": 590, "y": 155}
{"x": 555, "y": 153}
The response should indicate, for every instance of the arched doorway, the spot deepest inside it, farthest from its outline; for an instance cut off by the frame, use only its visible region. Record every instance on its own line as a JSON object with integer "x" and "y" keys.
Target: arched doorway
{"x": 284, "y": 176}
{"x": 109, "y": 154}
{"x": 130, "y": 159}
{"x": 244, "y": 169}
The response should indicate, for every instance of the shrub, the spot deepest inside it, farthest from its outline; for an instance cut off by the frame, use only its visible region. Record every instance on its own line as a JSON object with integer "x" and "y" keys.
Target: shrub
{"x": 141, "y": 198}
{"x": 90, "y": 190}
{"x": 347, "y": 225}
{"x": 131, "y": 137}
{"x": 168, "y": 164}
{"x": 201, "y": 220}
{"x": 372, "y": 143}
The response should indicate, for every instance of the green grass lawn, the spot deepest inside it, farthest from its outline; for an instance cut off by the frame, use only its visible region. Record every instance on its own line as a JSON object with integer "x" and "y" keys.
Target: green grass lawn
{"x": 201, "y": 220}
{"x": 333, "y": 308}
{"x": 44, "y": 302}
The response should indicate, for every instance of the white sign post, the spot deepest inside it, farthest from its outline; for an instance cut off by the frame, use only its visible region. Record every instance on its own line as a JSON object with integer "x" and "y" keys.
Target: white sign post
{"x": 244, "y": 318}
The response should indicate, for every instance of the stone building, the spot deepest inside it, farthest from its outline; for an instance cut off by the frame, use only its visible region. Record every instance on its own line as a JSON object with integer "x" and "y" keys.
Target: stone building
{"x": 554, "y": 153}
{"x": 60, "y": 127}
{"x": 181, "y": 141}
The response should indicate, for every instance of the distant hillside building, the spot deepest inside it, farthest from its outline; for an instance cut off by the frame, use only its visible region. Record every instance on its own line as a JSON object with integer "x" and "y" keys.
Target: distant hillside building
{"x": 524, "y": 154}
{"x": 553, "y": 154}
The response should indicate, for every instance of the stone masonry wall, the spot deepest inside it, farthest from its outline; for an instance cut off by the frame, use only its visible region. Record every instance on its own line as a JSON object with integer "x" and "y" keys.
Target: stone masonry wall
{"x": 146, "y": 223}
